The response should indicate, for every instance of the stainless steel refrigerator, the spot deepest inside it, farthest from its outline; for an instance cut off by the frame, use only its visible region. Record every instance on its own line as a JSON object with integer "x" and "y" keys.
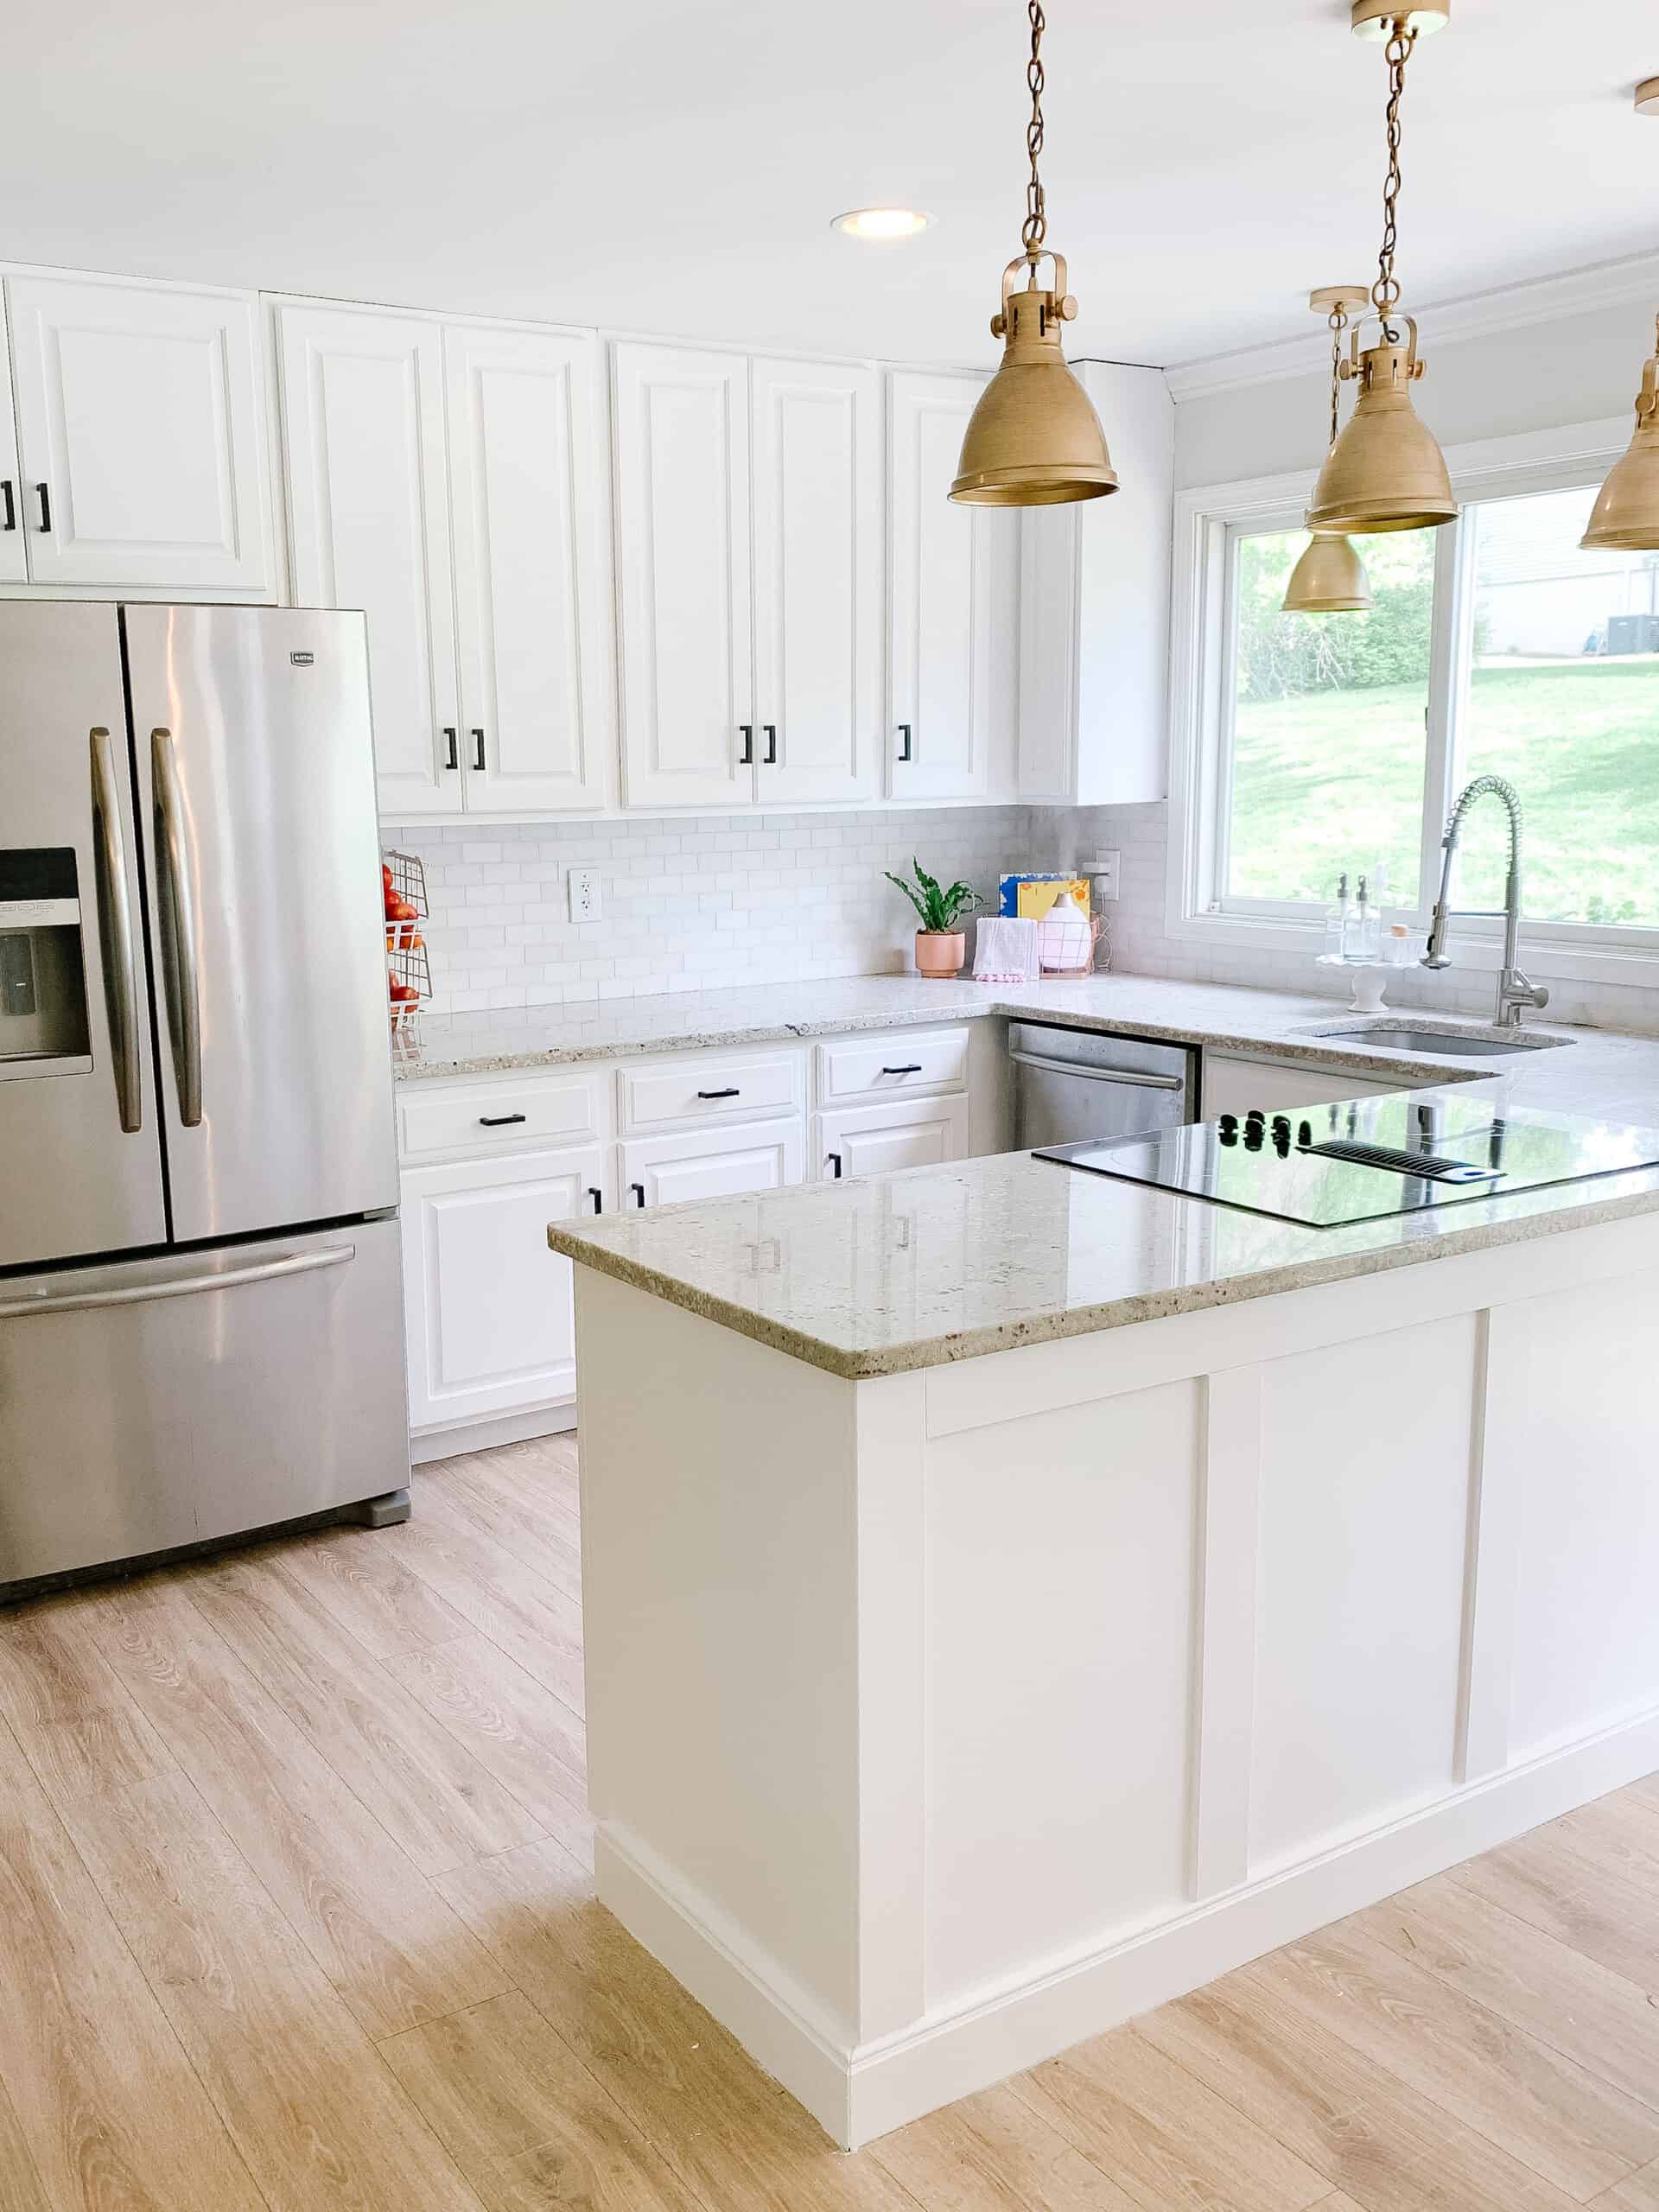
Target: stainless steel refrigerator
{"x": 201, "y": 1308}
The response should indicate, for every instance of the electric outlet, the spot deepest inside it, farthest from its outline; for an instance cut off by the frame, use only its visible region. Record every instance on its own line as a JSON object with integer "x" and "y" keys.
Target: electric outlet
{"x": 586, "y": 904}
{"x": 1102, "y": 872}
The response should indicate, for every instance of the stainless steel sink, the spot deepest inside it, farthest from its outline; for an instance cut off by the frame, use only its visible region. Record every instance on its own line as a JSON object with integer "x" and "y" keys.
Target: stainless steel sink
{"x": 1438, "y": 1044}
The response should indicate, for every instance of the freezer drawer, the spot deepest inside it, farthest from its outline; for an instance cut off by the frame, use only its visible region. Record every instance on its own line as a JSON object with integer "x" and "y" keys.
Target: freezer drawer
{"x": 167, "y": 1401}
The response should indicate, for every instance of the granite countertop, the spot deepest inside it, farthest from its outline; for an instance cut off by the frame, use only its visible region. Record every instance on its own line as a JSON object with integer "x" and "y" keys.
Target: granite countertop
{"x": 936, "y": 1264}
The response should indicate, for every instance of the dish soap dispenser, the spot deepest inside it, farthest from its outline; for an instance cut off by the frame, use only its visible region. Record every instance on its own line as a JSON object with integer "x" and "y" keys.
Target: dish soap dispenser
{"x": 1336, "y": 921}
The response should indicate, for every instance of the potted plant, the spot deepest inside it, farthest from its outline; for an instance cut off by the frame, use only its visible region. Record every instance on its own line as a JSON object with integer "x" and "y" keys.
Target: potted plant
{"x": 941, "y": 947}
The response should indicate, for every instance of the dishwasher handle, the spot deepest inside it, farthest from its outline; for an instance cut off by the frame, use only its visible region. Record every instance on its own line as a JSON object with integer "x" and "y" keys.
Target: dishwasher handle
{"x": 1090, "y": 1073}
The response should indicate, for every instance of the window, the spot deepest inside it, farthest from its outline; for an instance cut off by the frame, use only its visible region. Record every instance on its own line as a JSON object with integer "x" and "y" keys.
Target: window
{"x": 1330, "y": 743}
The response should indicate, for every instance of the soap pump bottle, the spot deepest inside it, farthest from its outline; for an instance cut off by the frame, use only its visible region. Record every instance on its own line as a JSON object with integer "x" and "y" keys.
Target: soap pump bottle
{"x": 1336, "y": 921}
{"x": 1361, "y": 943}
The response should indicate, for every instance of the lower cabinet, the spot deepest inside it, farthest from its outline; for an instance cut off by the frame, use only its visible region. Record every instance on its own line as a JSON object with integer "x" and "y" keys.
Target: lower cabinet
{"x": 904, "y": 1132}
{"x": 490, "y": 1310}
{"x": 712, "y": 1163}
{"x": 1234, "y": 1085}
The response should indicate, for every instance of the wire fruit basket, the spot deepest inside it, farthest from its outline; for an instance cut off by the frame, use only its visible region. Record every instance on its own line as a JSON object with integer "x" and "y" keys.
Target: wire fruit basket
{"x": 408, "y": 974}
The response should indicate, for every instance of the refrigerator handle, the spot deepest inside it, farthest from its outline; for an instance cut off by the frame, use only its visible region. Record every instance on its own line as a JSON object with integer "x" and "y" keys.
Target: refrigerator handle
{"x": 120, "y": 957}
{"x": 146, "y": 1286}
{"x": 178, "y": 891}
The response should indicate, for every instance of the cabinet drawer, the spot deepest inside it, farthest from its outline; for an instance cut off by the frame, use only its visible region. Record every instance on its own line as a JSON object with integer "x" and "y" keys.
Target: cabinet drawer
{"x": 711, "y": 1163}
{"x": 504, "y": 1117}
{"x": 857, "y": 1068}
{"x": 701, "y": 1087}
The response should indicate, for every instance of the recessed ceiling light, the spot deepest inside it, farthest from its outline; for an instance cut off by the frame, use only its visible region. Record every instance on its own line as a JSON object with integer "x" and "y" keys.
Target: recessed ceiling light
{"x": 883, "y": 225}
{"x": 1647, "y": 97}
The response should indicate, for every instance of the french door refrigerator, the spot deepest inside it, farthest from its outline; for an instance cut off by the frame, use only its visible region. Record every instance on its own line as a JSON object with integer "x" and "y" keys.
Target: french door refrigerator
{"x": 200, "y": 1309}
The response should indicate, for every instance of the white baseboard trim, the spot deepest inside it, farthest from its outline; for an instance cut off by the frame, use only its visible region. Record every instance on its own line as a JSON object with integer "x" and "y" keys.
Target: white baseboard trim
{"x": 426, "y": 1444}
{"x": 856, "y": 2094}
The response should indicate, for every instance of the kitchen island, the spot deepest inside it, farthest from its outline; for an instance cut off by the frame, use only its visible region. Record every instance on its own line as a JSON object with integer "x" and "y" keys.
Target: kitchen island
{"x": 1015, "y": 1596}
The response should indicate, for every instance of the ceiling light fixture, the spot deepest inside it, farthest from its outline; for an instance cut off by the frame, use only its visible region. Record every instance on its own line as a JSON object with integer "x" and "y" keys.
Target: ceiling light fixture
{"x": 1385, "y": 472}
{"x": 881, "y": 225}
{"x": 1375, "y": 19}
{"x": 1625, "y": 518}
{"x": 1329, "y": 578}
{"x": 1034, "y": 439}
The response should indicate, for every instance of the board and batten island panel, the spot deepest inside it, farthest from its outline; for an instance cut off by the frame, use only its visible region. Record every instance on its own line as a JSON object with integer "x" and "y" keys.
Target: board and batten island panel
{"x": 944, "y": 1714}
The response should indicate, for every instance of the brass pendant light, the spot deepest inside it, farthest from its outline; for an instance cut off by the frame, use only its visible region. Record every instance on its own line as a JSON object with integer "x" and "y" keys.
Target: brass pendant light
{"x": 1329, "y": 578}
{"x": 1385, "y": 472}
{"x": 1625, "y": 518}
{"x": 1034, "y": 439}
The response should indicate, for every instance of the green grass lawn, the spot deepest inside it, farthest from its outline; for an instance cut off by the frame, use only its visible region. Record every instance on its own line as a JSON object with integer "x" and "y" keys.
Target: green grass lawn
{"x": 1334, "y": 780}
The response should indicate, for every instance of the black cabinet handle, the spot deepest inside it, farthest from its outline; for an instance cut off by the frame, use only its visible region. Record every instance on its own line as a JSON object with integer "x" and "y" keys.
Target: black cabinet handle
{"x": 835, "y": 1167}
{"x": 10, "y": 522}
{"x": 770, "y": 732}
{"x": 911, "y": 1067}
{"x": 478, "y": 751}
{"x": 733, "y": 1092}
{"x": 904, "y": 732}
{"x": 639, "y": 1190}
{"x": 46, "y": 506}
{"x": 746, "y": 758}
{"x": 499, "y": 1121}
{"x": 598, "y": 1197}
{"x": 453, "y": 761}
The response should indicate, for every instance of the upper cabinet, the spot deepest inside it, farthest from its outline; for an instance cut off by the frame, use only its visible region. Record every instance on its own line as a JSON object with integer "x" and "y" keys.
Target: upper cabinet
{"x": 683, "y": 551}
{"x": 817, "y": 578}
{"x": 749, "y": 543}
{"x": 14, "y": 558}
{"x": 141, "y": 437}
{"x": 1094, "y": 654}
{"x": 954, "y": 653}
{"x": 363, "y": 408}
{"x": 446, "y": 479}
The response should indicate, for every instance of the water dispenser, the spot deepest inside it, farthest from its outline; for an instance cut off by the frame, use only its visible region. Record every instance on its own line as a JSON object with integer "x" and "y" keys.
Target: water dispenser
{"x": 43, "y": 1024}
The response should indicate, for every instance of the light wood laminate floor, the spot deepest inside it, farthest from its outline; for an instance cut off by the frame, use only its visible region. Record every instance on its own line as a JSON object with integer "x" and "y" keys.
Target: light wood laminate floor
{"x": 296, "y": 1912}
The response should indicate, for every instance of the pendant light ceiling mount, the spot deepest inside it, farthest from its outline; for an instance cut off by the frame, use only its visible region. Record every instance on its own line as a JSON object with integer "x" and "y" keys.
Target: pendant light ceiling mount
{"x": 1373, "y": 20}
{"x": 1385, "y": 472}
{"x": 1034, "y": 439}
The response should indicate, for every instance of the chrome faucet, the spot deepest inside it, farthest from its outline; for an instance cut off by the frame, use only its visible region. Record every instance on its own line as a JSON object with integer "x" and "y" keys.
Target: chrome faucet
{"x": 1515, "y": 990}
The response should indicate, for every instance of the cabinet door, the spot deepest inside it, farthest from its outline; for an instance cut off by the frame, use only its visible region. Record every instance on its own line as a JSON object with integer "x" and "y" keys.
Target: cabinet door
{"x": 1234, "y": 1086}
{"x": 818, "y": 579}
{"x": 13, "y": 561}
{"x": 369, "y": 526}
{"x": 139, "y": 414}
{"x": 491, "y": 1315}
{"x": 954, "y": 597}
{"x": 876, "y": 1140}
{"x": 712, "y": 1163}
{"x": 684, "y": 556}
{"x": 532, "y": 576}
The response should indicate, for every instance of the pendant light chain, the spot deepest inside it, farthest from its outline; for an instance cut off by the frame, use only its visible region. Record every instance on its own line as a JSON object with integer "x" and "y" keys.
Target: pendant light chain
{"x": 1385, "y": 293}
{"x": 1338, "y": 324}
{"x": 1035, "y": 227}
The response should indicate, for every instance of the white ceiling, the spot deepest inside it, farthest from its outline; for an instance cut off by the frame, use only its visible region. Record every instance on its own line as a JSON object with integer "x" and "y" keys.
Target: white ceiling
{"x": 672, "y": 165}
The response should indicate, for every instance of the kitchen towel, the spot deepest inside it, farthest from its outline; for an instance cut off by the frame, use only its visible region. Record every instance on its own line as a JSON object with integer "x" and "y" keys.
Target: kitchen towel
{"x": 1005, "y": 950}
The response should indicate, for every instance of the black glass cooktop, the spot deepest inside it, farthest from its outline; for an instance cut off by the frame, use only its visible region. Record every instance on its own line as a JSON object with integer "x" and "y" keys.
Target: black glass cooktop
{"x": 1367, "y": 1159}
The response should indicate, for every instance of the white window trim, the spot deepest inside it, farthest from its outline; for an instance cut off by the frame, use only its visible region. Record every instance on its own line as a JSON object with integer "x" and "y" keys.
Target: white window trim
{"x": 1201, "y": 671}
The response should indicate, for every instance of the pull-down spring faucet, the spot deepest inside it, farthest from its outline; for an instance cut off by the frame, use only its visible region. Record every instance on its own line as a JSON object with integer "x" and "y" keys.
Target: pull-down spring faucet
{"x": 1515, "y": 990}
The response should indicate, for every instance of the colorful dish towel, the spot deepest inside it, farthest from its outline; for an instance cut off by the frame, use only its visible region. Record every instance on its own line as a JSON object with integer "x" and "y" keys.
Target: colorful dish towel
{"x": 1005, "y": 950}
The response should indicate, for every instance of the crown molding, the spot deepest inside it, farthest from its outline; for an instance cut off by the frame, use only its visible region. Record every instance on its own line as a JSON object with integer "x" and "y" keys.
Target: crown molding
{"x": 1482, "y": 314}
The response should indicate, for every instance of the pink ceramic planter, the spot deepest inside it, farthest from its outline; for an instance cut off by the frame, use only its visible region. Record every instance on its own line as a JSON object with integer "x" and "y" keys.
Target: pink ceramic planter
{"x": 940, "y": 953}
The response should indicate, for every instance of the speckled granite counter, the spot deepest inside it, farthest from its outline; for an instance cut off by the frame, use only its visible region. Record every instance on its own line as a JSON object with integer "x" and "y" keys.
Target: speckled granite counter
{"x": 937, "y": 1264}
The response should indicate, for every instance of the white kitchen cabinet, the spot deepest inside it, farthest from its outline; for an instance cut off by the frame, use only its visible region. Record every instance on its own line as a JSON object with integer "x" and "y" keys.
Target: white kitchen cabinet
{"x": 363, "y": 406}
{"x": 901, "y": 1133}
{"x": 141, "y": 425}
{"x": 712, "y": 1163}
{"x": 1233, "y": 1084}
{"x": 14, "y": 558}
{"x": 1094, "y": 612}
{"x": 954, "y": 591}
{"x": 488, "y": 1307}
{"x": 816, "y": 446}
{"x": 682, "y": 519}
{"x": 532, "y": 572}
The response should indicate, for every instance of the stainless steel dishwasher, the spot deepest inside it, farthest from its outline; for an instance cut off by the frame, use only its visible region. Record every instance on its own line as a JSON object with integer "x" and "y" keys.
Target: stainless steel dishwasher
{"x": 1070, "y": 1084}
